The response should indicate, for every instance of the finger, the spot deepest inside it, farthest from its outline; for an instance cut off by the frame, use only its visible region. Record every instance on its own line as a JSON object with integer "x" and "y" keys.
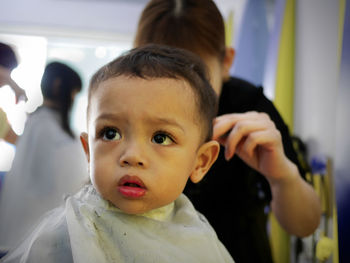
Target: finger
{"x": 223, "y": 124}
{"x": 245, "y": 115}
{"x": 267, "y": 139}
{"x": 240, "y": 131}
{"x": 222, "y": 127}
{"x": 23, "y": 97}
{"x": 221, "y": 140}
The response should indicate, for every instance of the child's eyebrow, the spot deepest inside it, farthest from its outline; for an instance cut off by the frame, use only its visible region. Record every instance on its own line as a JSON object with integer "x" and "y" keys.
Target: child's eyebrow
{"x": 167, "y": 121}
{"x": 151, "y": 120}
{"x": 107, "y": 116}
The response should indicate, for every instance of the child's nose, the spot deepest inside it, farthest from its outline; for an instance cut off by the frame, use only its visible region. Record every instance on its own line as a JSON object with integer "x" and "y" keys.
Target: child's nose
{"x": 133, "y": 156}
{"x": 131, "y": 162}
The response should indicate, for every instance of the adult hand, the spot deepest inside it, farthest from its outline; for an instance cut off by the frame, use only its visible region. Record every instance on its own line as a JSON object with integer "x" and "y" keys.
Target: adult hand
{"x": 19, "y": 92}
{"x": 5, "y": 79}
{"x": 254, "y": 138}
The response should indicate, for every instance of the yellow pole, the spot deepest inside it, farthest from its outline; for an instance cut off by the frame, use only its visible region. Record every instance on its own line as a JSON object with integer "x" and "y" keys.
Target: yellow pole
{"x": 284, "y": 88}
{"x": 229, "y": 33}
{"x": 342, "y": 4}
{"x": 284, "y": 99}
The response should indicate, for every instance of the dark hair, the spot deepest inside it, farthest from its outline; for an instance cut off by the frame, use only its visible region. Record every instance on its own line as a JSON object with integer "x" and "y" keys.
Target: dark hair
{"x": 194, "y": 25}
{"x": 57, "y": 84}
{"x": 7, "y": 57}
{"x": 156, "y": 61}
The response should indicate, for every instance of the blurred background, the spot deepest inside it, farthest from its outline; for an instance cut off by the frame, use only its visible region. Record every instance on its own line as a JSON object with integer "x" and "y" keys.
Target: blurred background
{"x": 297, "y": 50}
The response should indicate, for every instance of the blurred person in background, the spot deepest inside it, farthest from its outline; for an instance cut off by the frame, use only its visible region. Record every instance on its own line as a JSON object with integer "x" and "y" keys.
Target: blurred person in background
{"x": 8, "y": 62}
{"x": 49, "y": 162}
{"x": 234, "y": 196}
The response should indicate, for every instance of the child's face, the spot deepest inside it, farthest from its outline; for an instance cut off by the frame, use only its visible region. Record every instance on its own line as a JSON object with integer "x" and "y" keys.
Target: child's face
{"x": 143, "y": 141}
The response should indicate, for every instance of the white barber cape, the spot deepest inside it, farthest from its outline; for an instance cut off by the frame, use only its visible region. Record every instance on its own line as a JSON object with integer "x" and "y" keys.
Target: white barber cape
{"x": 89, "y": 229}
{"x": 48, "y": 165}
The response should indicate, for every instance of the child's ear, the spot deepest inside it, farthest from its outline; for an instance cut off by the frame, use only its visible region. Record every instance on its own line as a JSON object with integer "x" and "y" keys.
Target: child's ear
{"x": 206, "y": 156}
{"x": 84, "y": 139}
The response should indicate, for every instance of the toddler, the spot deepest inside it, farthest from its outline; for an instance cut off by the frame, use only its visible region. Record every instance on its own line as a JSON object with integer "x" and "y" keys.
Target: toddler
{"x": 150, "y": 115}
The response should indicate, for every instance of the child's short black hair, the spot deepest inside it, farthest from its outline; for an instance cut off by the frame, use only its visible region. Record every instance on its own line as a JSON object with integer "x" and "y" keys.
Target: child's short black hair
{"x": 158, "y": 61}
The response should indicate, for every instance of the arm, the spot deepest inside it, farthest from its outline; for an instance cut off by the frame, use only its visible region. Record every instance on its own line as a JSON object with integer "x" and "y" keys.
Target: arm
{"x": 5, "y": 79}
{"x": 6, "y": 131}
{"x": 19, "y": 92}
{"x": 11, "y": 136}
{"x": 295, "y": 203}
{"x": 255, "y": 139}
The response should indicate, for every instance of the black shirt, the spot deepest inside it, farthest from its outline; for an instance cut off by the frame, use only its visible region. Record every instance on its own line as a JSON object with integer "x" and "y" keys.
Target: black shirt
{"x": 233, "y": 196}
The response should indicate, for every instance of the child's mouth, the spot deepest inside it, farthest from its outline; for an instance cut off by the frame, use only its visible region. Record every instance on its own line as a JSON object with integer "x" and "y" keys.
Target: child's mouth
{"x": 131, "y": 187}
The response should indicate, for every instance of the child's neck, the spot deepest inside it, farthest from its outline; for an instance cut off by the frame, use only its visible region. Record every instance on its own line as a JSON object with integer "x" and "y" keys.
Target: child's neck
{"x": 163, "y": 213}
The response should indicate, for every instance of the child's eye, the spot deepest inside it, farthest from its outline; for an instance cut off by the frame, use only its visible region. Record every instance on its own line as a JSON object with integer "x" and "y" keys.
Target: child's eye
{"x": 162, "y": 138}
{"x": 110, "y": 134}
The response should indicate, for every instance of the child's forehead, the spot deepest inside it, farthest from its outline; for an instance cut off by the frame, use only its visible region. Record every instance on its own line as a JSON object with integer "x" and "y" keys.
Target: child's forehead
{"x": 127, "y": 84}
{"x": 158, "y": 93}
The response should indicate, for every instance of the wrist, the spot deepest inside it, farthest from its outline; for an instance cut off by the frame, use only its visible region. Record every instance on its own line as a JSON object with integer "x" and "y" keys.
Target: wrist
{"x": 286, "y": 176}
{"x": 13, "y": 85}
